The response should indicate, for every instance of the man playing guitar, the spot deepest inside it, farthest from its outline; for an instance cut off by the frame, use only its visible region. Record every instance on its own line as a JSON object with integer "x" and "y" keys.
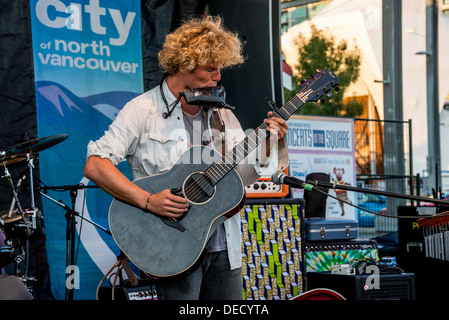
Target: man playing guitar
{"x": 153, "y": 130}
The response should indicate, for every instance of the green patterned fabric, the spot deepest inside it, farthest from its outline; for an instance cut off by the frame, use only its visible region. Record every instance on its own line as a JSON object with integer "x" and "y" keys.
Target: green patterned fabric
{"x": 271, "y": 248}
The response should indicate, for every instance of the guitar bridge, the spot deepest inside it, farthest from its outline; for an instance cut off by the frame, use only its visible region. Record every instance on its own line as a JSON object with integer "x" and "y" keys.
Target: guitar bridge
{"x": 177, "y": 192}
{"x": 173, "y": 223}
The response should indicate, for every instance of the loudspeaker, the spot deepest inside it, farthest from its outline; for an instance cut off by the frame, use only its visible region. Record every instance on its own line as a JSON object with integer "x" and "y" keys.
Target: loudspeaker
{"x": 410, "y": 235}
{"x": 430, "y": 273}
{"x": 315, "y": 200}
{"x": 258, "y": 24}
{"x": 366, "y": 286}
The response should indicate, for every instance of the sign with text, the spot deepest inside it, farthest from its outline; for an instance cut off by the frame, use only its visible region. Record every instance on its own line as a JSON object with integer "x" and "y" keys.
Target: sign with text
{"x": 88, "y": 64}
{"x": 325, "y": 145}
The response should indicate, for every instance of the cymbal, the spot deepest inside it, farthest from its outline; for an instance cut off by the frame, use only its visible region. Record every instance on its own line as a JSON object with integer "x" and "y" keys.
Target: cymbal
{"x": 14, "y": 217}
{"x": 13, "y": 159}
{"x": 34, "y": 146}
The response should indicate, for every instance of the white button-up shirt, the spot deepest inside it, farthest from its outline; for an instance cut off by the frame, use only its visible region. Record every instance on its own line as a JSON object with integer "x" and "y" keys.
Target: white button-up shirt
{"x": 152, "y": 144}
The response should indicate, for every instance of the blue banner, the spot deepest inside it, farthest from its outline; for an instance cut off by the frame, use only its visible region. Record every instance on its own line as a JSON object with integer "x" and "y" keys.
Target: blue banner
{"x": 88, "y": 64}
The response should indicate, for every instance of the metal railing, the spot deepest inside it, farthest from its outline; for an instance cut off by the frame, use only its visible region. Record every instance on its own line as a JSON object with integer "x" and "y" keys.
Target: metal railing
{"x": 383, "y": 162}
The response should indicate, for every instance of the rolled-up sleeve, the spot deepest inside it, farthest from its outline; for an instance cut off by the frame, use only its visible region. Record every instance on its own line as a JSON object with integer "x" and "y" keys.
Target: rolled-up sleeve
{"x": 120, "y": 138}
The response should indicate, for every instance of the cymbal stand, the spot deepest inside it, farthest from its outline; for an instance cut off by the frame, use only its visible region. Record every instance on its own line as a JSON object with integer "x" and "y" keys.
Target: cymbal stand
{"x": 7, "y": 175}
{"x": 13, "y": 201}
{"x": 70, "y": 230}
{"x": 30, "y": 161}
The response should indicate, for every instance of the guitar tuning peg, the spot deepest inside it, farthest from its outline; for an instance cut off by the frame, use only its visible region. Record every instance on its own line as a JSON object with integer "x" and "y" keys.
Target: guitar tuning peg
{"x": 311, "y": 76}
{"x": 318, "y": 70}
{"x": 303, "y": 81}
{"x": 322, "y": 100}
{"x": 337, "y": 89}
{"x": 329, "y": 94}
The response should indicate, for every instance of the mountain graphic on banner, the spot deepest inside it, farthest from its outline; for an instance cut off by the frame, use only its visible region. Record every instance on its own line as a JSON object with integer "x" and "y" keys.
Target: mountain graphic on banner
{"x": 108, "y": 103}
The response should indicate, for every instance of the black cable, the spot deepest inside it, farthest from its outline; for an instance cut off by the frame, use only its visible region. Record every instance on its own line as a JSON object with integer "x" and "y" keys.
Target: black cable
{"x": 377, "y": 213}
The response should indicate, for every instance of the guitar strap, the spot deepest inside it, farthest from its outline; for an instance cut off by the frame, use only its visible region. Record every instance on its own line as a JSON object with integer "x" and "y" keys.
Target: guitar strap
{"x": 131, "y": 276}
{"x": 217, "y": 123}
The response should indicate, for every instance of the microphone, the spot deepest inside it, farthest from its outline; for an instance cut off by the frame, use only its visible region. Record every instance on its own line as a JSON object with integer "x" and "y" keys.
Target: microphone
{"x": 208, "y": 97}
{"x": 281, "y": 178}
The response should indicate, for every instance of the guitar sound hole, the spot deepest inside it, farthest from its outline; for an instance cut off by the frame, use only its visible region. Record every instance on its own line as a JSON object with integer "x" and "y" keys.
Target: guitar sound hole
{"x": 198, "y": 188}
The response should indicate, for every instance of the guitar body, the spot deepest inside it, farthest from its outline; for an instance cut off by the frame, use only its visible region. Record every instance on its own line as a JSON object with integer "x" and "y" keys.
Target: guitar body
{"x": 160, "y": 246}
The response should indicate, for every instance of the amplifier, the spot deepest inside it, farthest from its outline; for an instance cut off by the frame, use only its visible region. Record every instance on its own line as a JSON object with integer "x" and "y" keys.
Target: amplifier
{"x": 266, "y": 188}
{"x": 410, "y": 235}
{"x": 366, "y": 286}
{"x": 321, "y": 256}
{"x": 430, "y": 273}
{"x": 145, "y": 290}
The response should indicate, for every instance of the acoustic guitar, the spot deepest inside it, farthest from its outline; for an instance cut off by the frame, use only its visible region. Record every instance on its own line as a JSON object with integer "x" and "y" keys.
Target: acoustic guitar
{"x": 164, "y": 247}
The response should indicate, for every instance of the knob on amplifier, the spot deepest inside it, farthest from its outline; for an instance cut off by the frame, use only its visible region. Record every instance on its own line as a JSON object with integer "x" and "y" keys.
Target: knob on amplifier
{"x": 266, "y": 188}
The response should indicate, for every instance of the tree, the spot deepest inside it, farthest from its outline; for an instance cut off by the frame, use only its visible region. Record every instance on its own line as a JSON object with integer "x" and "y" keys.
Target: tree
{"x": 321, "y": 51}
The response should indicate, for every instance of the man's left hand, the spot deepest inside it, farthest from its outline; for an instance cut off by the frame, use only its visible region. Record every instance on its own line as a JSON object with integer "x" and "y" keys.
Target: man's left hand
{"x": 276, "y": 125}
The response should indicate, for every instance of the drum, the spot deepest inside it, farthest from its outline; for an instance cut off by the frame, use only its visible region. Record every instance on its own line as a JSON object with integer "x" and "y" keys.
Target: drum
{"x": 11, "y": 236}
{"x": 12, "y": 288}
{"x": 6, "y": 249}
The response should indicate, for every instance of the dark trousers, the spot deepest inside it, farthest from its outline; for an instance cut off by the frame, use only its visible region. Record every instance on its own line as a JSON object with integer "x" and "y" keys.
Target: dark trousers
{"x": 213, "y": 280}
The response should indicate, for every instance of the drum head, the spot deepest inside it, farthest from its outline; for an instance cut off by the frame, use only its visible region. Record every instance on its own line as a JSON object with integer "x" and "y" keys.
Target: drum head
{"x": 6, "y": 250}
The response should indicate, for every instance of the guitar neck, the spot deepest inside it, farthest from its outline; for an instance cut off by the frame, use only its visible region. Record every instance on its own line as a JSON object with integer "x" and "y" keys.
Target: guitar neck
{"x": 239, "y": 153}
{"x": 311, "y": 90}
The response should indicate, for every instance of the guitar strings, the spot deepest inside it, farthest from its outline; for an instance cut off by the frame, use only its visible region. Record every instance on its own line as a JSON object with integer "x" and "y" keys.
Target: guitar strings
{"x": 224, "y": 165}
{"x": 196, "y": 190}
{"x": 260, "y": 129}
{"x": 217, "y": 171}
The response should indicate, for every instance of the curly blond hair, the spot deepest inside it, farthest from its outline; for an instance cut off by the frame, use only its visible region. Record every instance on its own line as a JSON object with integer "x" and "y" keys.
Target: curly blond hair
{"x": 200, "y": 42}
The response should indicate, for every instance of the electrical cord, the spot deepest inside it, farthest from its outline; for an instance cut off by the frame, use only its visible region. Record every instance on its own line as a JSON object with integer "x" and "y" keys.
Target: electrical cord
{"x": 378, "y": 213}
{"x": 116, "y": 265}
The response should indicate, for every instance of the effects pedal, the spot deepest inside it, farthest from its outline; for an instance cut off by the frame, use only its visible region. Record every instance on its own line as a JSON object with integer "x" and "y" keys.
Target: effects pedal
{"x": 145, "y": 290}
{"x": 141, "y": 293}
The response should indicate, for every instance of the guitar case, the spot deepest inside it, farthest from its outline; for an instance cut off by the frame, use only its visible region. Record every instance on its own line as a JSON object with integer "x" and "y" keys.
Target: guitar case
{"x": 324, "y": 229}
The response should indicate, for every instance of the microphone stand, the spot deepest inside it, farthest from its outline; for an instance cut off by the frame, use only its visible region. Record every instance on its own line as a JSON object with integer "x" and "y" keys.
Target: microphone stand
{"x": 316, "y": 183}
{"x": 71, "y": 213}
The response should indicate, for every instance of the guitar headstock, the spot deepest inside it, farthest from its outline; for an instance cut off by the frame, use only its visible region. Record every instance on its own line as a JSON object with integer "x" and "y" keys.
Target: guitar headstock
{"x": 322, "y": 82}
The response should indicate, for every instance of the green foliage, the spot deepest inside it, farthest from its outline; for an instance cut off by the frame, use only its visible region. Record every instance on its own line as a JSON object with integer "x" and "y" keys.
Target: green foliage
{"x": 321, "y": 51}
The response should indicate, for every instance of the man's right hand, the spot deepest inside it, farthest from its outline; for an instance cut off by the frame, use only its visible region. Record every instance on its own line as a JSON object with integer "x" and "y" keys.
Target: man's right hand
{"x": 167, "y": 204}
